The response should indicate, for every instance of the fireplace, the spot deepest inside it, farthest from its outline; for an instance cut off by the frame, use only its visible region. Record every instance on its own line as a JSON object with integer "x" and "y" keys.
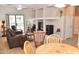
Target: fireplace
{"x": 49, "y": 29}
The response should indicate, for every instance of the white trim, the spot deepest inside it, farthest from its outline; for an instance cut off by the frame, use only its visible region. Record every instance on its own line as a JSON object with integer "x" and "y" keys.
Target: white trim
{"x": 53, "y": 18}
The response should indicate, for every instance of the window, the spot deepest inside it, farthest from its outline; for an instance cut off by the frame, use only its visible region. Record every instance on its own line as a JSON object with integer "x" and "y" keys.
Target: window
{"x": 17, "y": 20}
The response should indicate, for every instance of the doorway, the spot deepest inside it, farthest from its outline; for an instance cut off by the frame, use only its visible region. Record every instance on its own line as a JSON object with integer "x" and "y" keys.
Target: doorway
{"x": 49, "y": 29}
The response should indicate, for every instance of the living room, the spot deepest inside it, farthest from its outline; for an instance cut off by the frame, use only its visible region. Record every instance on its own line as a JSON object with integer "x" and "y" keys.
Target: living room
{"x": 49, "y": 18}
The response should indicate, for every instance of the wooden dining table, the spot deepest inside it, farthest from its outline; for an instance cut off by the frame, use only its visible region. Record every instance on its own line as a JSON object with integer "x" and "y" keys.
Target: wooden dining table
{"x": 57, "y": 48}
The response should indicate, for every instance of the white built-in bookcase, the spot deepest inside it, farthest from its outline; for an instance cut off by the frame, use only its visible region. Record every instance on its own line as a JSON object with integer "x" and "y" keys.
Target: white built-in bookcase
{"x": 46, "y": 14}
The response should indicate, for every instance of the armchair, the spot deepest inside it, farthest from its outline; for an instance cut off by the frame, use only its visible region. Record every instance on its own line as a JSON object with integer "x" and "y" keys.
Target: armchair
{"x": 12, "y": 39}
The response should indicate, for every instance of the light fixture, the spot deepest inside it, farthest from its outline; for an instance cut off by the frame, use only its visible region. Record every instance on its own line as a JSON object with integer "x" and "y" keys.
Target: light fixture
{"x": 74, "y": 4}
{"x": 61, "y": 12}
{"x": 59, "y": 5}
{"x": 19, "y": 7}
{"x": 50, "y": 5}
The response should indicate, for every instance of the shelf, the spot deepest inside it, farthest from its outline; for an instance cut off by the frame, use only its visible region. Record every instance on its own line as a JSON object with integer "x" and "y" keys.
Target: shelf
{"x": 53, "y": 18}
{"x": 46, "y": 13}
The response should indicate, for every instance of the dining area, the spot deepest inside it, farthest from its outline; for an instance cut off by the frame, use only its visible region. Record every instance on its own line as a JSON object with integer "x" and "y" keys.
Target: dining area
{"x": 43, "y": 32}
{"x": 52, "y": 44}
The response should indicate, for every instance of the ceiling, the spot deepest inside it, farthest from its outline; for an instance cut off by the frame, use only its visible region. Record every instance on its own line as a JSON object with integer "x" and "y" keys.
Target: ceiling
{"x": 29, "y": 6}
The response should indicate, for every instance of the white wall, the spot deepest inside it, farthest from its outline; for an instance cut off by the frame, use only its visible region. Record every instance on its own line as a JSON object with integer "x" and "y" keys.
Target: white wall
{"x": 11, "y": 10}
{"x": 49, "y": 12}
{"x": 69, "y": 25}
{"x": 58, "y": 23}
{"x": 53, "y": 12}
{"x": 62, "y": 26}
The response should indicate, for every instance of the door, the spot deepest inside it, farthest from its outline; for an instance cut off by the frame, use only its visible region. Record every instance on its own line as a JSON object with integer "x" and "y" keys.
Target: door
{"x": 17, "y": 20}
{"x": 40, "y": 26}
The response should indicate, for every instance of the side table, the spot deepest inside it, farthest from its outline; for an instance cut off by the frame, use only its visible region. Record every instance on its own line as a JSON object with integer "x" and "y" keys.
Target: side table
{"x": 23, "y": 38}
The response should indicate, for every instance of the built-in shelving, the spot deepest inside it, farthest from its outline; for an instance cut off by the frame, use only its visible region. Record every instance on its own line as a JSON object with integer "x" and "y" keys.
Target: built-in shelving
{"x": 45, "y": 14}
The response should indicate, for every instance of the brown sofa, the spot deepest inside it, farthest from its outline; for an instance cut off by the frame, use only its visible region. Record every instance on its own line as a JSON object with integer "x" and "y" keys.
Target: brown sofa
{"x": 13, "y": 39}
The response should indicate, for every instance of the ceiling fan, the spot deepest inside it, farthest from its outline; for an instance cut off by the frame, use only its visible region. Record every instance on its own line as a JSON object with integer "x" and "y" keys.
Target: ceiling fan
{"x": 20, "y": 7}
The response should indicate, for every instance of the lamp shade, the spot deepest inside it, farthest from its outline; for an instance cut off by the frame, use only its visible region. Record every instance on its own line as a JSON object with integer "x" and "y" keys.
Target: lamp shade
{"x": 3, "y": 21}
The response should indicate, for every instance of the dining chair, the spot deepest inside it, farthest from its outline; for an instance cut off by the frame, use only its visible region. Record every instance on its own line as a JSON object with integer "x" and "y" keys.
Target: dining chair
{"x": 39, "y": 37}
{"x": 28, "y": 48}
{"x": 54, "y": 38}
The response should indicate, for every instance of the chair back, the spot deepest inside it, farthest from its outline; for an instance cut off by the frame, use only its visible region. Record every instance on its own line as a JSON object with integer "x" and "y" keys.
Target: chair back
{"x": 54, "y": 38}
{"x": 39, "y": 37}
{"x": 28, "y": 49}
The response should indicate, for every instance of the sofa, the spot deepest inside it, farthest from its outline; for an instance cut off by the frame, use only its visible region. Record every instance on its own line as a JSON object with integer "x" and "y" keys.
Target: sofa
{"x": 13, "y": 39}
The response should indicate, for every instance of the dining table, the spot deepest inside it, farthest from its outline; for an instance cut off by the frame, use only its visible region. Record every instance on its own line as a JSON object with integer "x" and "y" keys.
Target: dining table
{"x": 57, "y": 48}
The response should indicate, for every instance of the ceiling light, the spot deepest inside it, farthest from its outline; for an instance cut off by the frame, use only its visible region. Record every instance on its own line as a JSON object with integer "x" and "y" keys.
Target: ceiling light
{"x": 59, "y": 5}
{"x": 74, "y": 4}
{"x": 51, "y": 4}
{"x": 19, "y": 7}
